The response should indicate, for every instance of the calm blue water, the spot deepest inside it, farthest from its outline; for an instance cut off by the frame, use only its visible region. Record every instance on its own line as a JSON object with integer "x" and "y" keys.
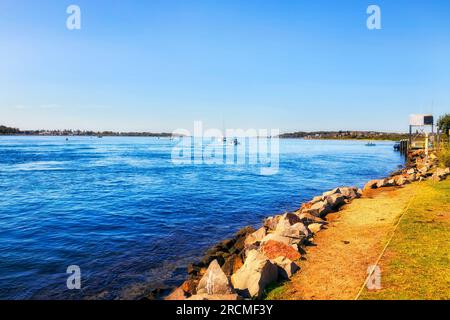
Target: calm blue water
{"x": 132, "y": 220}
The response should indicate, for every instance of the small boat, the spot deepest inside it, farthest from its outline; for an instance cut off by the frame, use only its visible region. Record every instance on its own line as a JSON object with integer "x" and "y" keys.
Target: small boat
{"x": 235, "y": 142}
{"x": 99, "y": 137}
{"x": 397, "y": 146}
{"x": 370, "y": 144}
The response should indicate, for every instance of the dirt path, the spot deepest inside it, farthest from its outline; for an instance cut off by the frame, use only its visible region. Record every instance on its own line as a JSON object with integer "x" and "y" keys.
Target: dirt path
{"x": 336, "y": 267}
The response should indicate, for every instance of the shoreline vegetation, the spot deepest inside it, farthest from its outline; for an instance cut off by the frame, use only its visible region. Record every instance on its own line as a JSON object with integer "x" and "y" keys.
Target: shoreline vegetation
{"x": 258, "y": 264}
{"x": 315, "y": 135}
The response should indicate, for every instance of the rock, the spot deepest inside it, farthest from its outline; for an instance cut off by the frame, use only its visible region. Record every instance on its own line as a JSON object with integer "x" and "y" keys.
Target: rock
{"x": 274, "y": 249}
{"x": 423, "y": 170}
{"x": 335, "y": 201}
{"x": 383, "y": 183}
{"x": 271, "y": 222}
{"x": 411, "y": 171}
{"x": 351, "y": 192}
{"x": 308, "y": 218}
{"x": 316, "y": 199}
{"x": 240, "y": 237}
{"x": 190, "y": 286}
{"x": 286, "y": 268}
{"x": 177, "y": 294}
{"x": 400, "y": 180}
{"x": 223, "y": 297}
{"x": 372, "y": 184}
{"x": 232, "y": 264}
{"x": 347, "y": 192}
{"x": 276, "y": 237}
{"x": 291, "y": 218}
{"x": 256, "y": 236}
{"x": 359, "y": 193}
{"x": 319, "y": 209}
{"x": 194, "y": 268}
{"x": 297, "y": 232}
{"x": 290, "y": 225}
{"x": 411, "y": 177}
{"x": 329, "y": 193}
{"x": 315, "y": 227}
{"x": 440, "y": 174}
{"x": 447, "y": 170}
{"x": 256, "y": 273}
{"x": 214, "y": 281}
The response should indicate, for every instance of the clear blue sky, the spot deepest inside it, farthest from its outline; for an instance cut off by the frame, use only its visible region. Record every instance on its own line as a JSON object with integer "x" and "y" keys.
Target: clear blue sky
{"x": 159, "y": 65}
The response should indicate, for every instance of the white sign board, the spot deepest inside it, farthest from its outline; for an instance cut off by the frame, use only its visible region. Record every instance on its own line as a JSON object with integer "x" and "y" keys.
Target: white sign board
{"x": 420, "y": 119}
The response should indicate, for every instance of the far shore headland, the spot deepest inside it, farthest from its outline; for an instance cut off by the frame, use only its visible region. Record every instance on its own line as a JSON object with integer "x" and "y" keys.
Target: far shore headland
{"x": 314, "y": 135}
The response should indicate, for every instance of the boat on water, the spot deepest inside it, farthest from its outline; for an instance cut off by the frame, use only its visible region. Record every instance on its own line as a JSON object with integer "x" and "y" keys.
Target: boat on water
{"x": 370, "y": 144}
{"x": 397, "y": 146}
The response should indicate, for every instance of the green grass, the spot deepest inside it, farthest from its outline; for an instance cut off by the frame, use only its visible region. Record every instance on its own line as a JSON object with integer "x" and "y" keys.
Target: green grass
{"x": 275, "y": 291}
{"x": 416, "y": 264}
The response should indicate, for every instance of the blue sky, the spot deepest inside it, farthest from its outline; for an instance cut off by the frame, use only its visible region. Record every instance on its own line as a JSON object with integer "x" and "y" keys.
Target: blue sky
{"x": 161, "y": 65}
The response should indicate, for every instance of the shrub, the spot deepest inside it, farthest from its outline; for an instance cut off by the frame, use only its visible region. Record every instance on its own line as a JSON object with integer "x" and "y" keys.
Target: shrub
{"x": 444, "y": 157}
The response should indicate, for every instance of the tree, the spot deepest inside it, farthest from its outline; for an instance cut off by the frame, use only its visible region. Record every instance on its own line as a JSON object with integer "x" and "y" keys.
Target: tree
{"x": 444, "y": 123}
{"x": 8, "y": 130}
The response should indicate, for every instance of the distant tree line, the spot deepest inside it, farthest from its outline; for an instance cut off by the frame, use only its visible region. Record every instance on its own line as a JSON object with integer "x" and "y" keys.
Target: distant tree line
{"x": 342, "y": 135}
{"x": 8, "y": 130}
{"x": 14, "y": 131}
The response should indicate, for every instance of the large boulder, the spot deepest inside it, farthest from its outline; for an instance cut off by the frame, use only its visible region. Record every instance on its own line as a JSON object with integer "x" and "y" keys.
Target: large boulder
{"x": 318, "y": 209}
{"x": 256, "y": 236}
{"x": 256, "y": 273}
{"x": 271, "y": 222}
{"x": 214, "y": 281}
{"x": 232, "y": 264}
{"x": 316, "y": 199}
{"x": 348, "y": 192}
{"x": 278, "y": 238}
{"x": 315, "y": 227}
{"x": 372, "y": 184}
{"x": 308, "y": 218}
{"x": 440, "y": 174}
{"x": 383, "y": 183}
{"x": 296, "y": 232}
{"x": 274, "y": 249}
{"x": 286, "y": 267}
{"x": 335, "y": 201}
{"x": 400, "y": 180}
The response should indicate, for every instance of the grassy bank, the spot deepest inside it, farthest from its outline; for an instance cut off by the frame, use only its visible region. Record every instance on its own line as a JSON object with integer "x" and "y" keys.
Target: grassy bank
{"x": 416, "y": 264}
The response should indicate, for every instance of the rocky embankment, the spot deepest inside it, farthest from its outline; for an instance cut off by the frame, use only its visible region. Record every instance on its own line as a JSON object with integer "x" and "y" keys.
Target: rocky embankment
{"x": 242, "y": 267}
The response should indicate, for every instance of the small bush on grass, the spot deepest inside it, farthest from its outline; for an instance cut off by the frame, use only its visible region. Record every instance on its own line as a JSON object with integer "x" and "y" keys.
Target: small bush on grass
{"x": 444, "y": 157}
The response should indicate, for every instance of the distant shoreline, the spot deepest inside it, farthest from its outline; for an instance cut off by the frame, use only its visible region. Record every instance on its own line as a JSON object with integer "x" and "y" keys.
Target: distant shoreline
{"x": 170, "y": 136}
